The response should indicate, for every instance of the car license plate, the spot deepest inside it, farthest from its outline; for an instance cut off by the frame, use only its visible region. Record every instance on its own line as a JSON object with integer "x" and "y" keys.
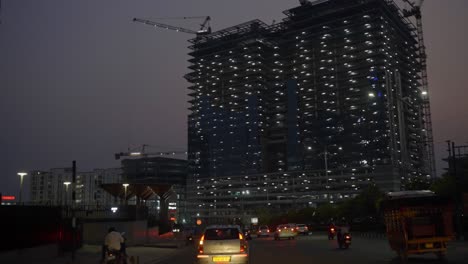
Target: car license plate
{"x": 429, "y": 245}
{"x": 221, "y": 259}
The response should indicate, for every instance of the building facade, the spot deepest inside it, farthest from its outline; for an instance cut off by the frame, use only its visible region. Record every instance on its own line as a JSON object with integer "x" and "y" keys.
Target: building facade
{"x": 88, "y": 190}
{"x": 48, "y": 187}
{"x": 305, "y": 111}
{"x": 163, "y": 171}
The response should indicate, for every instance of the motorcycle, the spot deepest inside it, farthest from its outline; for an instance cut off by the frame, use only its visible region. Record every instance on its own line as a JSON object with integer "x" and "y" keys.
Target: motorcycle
{"x": 114, "y": 257}
{"x": 247, "y": 235}
{"x": 189, "y": 240}
{"x": 117, "y": 256}
{"x": 344, "y": 241}
{"x": 331, "y": 233}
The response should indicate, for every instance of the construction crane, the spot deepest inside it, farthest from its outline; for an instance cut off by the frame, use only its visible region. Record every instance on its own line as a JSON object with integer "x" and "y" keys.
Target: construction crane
{"x": 143, "y": 153}
{"x": 415, "y": 11}
{"x": 205, "y": 27}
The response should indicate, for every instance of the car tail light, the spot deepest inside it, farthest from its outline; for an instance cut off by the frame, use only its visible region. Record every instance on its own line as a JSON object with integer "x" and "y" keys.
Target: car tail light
{"x": 200, "y": 245}
{"x": 268, "y": 230}
{"x": 348, "y": 237}
{"x": 332, "y": 229}
{"x": 306, "y": 228}
{"x": 243, "y": 245}
{"x": 292, "y": 229}
{"x": 259, "y": 231}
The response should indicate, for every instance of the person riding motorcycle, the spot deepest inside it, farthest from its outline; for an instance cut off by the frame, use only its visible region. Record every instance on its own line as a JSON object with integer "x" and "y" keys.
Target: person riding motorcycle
{"x": 112, "y": 242}
{"x": 343, "y": 237}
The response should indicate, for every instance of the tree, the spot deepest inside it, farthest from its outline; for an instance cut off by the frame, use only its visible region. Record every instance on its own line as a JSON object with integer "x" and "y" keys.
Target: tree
{"x": 445, "y": 186}
{"x": 325, "y": 212}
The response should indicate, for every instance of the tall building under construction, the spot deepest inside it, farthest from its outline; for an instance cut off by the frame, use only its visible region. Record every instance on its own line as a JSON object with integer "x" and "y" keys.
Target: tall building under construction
{"x": 305, "y": 111}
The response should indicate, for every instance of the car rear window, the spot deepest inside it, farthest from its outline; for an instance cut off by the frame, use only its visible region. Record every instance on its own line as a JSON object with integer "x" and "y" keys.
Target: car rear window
{"x": 301, "y": 225}
{"x": 221, "y": 234}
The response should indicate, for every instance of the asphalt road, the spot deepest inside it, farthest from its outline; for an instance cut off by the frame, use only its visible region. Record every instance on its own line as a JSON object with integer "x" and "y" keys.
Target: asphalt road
{"x": 318, "y": 249}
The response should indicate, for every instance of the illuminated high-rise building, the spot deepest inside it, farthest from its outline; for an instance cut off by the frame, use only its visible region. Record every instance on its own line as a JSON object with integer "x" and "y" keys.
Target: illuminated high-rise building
{"x": 305, "y": 111}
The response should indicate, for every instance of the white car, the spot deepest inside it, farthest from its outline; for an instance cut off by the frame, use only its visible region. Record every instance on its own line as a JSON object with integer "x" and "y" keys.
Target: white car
{"x": 263, "y": 231}
{"x": 223, "y": 244}
{"x": 302, "y": 229}
{"x": 285, "y": 231}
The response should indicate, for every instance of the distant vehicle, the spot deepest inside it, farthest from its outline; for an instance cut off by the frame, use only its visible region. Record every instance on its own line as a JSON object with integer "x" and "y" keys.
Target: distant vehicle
{"x": 343, "y": 239}
{"x": 223, "y": 244}
{"x": 247, "y": 234}
{"x": 285, "y": 231}
{"x": 302, "y": 229}
{"x": 177, "y": 228}
{"x": 263, "y": 231}
{"x": 331, "y": 232}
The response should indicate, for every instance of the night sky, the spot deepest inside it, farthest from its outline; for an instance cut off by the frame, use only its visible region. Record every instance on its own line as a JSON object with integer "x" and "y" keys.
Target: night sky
{"x": 80, "y": 81}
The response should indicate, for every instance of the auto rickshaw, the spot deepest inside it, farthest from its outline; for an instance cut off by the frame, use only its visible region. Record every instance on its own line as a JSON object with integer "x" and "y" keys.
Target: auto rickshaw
{"x": 418, "y": 222}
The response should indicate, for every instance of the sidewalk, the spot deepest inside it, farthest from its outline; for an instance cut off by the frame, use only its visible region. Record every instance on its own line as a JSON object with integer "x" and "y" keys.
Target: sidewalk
{"x": 88, "y": 254}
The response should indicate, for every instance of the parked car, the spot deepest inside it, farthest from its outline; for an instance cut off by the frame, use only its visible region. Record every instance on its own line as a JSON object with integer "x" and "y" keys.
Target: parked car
{"x": 223, "y": 243}
{"x": 263, "y": 231}
{"x": 285, "y": 231}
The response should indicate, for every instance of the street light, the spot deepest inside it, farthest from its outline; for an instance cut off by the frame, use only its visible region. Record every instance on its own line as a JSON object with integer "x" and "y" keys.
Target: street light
{"x": 125, "y": 185}
{"x": 21, "y": 174}
{"x": 66, "y": 191}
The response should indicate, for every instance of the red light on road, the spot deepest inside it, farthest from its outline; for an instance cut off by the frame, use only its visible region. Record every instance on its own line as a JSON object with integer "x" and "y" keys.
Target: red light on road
{"x": 8, "y": 198}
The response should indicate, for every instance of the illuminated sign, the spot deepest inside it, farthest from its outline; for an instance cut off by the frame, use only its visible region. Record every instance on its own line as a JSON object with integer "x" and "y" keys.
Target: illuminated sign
{"x": 8, "y": 198}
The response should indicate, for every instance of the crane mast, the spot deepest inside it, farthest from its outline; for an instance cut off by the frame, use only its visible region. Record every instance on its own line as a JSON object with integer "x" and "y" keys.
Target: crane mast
{"x": 429, "y": 142}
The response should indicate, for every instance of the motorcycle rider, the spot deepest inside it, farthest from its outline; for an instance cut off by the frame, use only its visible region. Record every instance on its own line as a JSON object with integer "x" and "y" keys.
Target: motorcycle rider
{"x": 339, "y": 237}
{"x": 112, "y": 242}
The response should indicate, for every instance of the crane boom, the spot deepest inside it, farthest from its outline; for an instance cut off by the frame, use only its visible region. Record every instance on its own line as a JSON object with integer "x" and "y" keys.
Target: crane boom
{"x": 161, "y": 25}
{"x": 143, "y": 153}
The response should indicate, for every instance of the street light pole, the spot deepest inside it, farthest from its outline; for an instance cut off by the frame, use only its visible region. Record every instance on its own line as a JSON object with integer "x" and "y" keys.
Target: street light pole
{"x": 125, "y": 185}
{"x": 66, "y": 191}
{"x": 21, "y": 174}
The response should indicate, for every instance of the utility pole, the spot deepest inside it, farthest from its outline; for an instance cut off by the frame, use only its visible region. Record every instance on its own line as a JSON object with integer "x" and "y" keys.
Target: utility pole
{"x": 73, "y": 220}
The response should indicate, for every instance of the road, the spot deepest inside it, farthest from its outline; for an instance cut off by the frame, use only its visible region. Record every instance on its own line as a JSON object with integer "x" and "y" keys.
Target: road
{"x": 318, "y": 249}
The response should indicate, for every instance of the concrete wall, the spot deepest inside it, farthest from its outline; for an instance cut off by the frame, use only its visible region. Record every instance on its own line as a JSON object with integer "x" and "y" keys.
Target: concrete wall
{"x": 136, "y": 232}
{"x": 30, "y": 255}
